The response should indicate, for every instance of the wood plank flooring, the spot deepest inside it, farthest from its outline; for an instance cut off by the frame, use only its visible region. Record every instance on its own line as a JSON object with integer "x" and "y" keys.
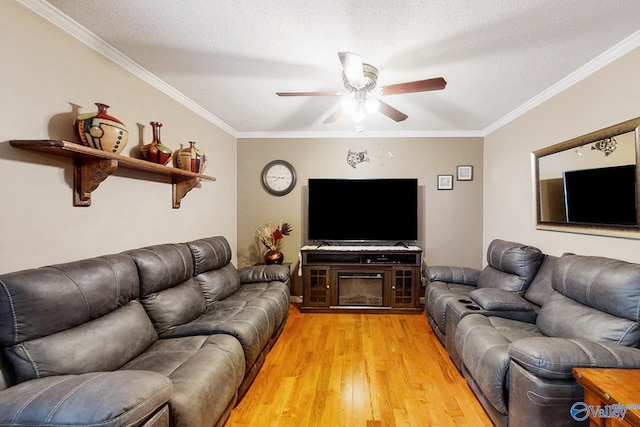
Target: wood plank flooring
{"x": 369, "y": 370}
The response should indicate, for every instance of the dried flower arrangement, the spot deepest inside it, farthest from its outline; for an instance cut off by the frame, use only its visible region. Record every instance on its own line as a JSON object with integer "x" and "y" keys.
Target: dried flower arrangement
{"x": 271, "y": 235}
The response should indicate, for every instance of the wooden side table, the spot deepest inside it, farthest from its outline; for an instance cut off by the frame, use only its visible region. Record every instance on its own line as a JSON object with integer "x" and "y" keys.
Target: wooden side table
{"x": 607, "y": 390}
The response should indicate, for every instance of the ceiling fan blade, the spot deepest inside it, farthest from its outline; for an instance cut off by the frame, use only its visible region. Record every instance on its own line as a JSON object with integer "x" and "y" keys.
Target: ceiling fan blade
{"x": 389, "y": 111}
{"x": 352, "y": 67}
{"x": 307, "y": 93}
{"x": 418, "y": 86}
{"x": 335, "y": 116}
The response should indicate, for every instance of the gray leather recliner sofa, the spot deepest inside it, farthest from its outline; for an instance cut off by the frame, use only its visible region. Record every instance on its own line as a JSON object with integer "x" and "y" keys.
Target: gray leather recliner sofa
{"x": 511, "y": 267}
{"x": 521, "y": 369}
{"x": 124, "y": 339}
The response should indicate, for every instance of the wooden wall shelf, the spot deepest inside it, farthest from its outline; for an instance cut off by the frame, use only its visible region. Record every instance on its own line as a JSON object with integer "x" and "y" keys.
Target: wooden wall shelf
{"x": 91, "y": 167}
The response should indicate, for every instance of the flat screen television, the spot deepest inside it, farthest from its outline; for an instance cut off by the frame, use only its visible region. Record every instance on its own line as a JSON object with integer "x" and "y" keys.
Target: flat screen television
{"x": 601, "y": 196}
{"x": 375, "y": 211}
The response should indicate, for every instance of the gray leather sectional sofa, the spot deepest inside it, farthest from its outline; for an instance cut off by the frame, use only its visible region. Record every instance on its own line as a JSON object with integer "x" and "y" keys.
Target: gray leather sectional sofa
{"x": 169, "y": 334}
{"x": 517, "y": 347}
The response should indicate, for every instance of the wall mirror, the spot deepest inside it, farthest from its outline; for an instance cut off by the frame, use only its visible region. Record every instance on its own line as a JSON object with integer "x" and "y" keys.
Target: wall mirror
{"x": 590, "y": 184}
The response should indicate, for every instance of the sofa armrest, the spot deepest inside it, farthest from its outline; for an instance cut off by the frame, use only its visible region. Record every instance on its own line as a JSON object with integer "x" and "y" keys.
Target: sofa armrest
{"x": 553, "y": 358}
{"x": 494, "y": 299}
{"x": 114, "y": 399}
{"x": 462, "y": 275}
{"x": 264, "y": 273}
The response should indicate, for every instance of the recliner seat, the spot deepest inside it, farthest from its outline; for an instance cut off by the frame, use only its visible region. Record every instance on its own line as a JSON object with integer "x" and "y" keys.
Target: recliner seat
{"x": 510, "y": 266}
{"x": 522, "y": 371}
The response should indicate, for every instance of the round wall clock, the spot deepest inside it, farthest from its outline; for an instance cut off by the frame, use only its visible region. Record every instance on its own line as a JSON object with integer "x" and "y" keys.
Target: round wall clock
{"x": 278, "y": 177}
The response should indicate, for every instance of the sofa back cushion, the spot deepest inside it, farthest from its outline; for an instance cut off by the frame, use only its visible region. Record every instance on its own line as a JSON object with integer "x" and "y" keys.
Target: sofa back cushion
{"x": 73, "y": 318}
{"x": 210, "y": 253}
{"x": 595, "y": 298}
{"x": 102, "y": 344}
{"x": 168, "y": 290}
{"x": 540, "y": 288}
{"x": 43, "y": 301}
{"x": 217, "y": 285}
{"x": 510, "y": 266}
{"x": 216, "y": 275}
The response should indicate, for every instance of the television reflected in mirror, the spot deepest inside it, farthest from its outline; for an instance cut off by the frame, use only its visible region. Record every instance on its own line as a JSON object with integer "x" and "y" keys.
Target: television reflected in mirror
{"x": 589, "y": 184}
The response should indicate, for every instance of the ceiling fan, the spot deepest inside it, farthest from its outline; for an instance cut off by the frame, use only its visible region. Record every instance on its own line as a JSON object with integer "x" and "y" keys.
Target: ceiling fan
{"x": 360, "y": 80}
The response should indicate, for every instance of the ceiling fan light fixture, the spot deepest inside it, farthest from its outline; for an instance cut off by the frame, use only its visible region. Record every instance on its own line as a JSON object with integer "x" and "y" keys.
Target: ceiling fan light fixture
{"x": 371, "y": 105}
{"x": 349, "y": 104}
{"x": 359, "y": 114}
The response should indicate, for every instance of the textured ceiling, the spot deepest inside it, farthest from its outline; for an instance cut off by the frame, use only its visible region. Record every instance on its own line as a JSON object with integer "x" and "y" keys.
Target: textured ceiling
{"x": 231, "y": 56}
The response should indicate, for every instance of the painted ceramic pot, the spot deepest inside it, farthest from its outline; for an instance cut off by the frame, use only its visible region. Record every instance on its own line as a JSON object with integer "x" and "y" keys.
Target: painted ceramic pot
{"x": 102, "y": 131}
{"x": 190, "y": 158}
{"x": 156, "y": 152}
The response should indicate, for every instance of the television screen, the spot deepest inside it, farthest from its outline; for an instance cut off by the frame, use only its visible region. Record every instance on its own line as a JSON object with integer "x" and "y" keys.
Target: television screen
{"x": 601, "y": 196}
{"x": 362, "y": 210}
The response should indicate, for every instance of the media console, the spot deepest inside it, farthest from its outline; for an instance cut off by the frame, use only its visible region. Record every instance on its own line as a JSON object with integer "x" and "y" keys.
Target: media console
{"x": 383, "y": 279}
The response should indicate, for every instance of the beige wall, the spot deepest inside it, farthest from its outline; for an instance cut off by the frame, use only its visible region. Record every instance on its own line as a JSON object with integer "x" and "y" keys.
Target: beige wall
{"x": 44, "y": 71}
{"x": 451, "y": 232}
{"x": 607, "y": 97}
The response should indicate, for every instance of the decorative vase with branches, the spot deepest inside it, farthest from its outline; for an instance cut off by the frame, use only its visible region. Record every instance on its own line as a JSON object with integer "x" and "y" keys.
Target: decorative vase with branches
{"x": 271, "y": 236}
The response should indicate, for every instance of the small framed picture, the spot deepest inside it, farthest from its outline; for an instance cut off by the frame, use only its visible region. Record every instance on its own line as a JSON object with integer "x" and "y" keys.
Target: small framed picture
{"x": 465, "y": 173}
{"x": 445, "y": 182}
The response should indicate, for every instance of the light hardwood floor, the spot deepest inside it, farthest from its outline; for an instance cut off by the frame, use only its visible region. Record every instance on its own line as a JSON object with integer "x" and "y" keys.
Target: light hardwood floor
{"x": 355, "y": 370}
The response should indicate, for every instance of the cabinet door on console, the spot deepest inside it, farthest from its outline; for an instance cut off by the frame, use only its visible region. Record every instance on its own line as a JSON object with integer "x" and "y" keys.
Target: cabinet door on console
{"x": 403, "y": 294}
{"x": 316, "y": 294}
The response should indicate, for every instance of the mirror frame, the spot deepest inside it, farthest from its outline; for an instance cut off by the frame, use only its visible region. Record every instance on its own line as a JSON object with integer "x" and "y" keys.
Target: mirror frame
{"x": 630, "y": 232}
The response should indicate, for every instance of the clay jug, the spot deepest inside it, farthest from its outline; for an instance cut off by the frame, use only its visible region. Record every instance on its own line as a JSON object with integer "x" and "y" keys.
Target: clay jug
{"x": 190, "y": 158}
{"x": 101, "y": 131}
{"x": 156, "y": 152}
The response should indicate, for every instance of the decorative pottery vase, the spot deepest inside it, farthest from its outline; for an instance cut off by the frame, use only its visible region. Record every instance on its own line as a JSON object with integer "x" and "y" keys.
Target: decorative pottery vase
{"x": 273, "y": 256}
{"x": 190, "y": 158}
{"x": 156, "y": 152}
{"x": 102, "y": 131}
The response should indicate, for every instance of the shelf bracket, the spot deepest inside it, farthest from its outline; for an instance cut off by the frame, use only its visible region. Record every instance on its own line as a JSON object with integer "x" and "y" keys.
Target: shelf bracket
{"x": 181, "y": 186}
{"x": 87, "y": 176}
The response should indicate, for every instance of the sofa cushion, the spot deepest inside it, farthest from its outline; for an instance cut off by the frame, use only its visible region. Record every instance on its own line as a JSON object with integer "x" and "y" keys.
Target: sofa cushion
{"x": 247, "y": 321}
{"x": 273, "y": 296}
{"x": 608, "y": 285}
{"x": 264, "y": 273}
{"x": 483, "y": 344}
{"x": 252, "y": 315}
{"x": 210, "y": 253}
{"x": 510, "y": 266}
{"x": 555, "y": 358}
{"x": 558, "y": 318}
{"x": 31, "y": 300}
{"x": 500, "y": 300}
{"x": 218, "y": 284}
{"x": 462, "y": 275}
{"x": 162, "y": 266}
{"x": 116, "y": 337}
{"x": 603, "y": 293}
{"x": 540, "y": 289}
{"x": 105, "y": 399}
{"x": 206, "y": 372}
{"x": 174, "y": 306}
{"x": 437, "y": 294}
{"x": 168, "y": 291}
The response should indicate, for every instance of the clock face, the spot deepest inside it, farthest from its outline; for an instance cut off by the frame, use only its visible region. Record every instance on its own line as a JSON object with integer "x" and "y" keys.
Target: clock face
{"x": 278, "y": 177}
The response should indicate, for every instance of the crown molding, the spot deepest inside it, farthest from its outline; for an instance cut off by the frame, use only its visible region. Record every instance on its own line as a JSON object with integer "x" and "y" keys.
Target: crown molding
{"x": 62, "y": 21}
{"x": 363, "y": 134}
{"x": 617, "y": 51}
